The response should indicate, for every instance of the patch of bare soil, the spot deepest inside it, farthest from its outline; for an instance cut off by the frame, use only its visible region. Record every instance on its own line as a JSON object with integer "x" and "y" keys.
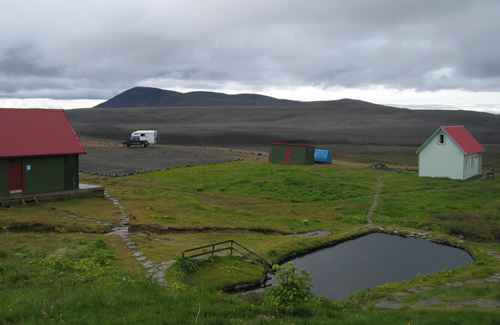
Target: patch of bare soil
{"x": 33, "y": 226}
{"x": 158, "y": 229}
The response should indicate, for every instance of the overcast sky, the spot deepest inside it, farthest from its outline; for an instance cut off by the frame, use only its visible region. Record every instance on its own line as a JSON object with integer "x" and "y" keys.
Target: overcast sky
{"x": 403, "y": 52}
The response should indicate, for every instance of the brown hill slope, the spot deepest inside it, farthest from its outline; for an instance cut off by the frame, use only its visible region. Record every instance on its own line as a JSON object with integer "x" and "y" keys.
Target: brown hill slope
{"x": 321, "y": 123}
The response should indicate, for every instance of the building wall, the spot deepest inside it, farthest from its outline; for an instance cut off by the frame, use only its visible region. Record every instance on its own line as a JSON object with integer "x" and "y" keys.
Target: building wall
{"x": 298, "y": 154}
{"x": 480, "y": 164}
{"x": 473, "y": 165}
{"x": 441, "y": 160}
{"x": 71, "y": 172}
{"x": 3, "y": 177}
{"x": 44, "y": 174}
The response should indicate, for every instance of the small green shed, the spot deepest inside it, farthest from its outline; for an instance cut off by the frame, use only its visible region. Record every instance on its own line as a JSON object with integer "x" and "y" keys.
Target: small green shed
{"x": 292, "y": 154}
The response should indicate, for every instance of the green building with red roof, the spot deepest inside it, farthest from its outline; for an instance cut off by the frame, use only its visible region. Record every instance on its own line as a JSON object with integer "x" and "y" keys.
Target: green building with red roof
{"x": 39, "y": 152}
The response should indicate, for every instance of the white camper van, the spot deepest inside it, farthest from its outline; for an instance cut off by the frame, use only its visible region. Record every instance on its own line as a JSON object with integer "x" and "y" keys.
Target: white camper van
{"x": 142, "y": 138}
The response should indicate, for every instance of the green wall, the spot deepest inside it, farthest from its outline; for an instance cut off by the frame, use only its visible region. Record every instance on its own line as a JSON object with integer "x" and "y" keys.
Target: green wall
{"x": 299, "y": 155}
{"x": 44, "y": 174}
{"x": 3, "y": 177}
{"x": 71, "y": 175}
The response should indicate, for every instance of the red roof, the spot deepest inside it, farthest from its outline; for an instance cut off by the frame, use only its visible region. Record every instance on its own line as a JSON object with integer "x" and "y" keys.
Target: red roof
{"x": 292, "y": 144}
{"x": 37, "y": 132}
{"x": 464, "y": 139}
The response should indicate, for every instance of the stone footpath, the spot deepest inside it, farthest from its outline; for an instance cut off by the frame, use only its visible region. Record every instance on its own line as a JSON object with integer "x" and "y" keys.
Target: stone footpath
{"x": 375, "y": 201}
{"x": 369, "y": 224}
{"x": 155, "y": 271}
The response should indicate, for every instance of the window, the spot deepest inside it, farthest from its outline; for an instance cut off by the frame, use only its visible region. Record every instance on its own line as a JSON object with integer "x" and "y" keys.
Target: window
{"x": 466, "y": 162}
{"x": 441, "y": 138}
{"x": 472, "y": 162}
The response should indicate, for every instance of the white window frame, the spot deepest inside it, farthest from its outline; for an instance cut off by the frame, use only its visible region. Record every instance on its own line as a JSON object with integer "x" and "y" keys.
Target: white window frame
{"x": 472, "y": 162}
{"x": 466, "y": 162}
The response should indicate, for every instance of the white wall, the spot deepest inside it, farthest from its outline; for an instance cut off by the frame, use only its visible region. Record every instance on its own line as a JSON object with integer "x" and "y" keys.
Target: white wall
{"x": 441, "y": 160}
{"x": 473, "y": 169}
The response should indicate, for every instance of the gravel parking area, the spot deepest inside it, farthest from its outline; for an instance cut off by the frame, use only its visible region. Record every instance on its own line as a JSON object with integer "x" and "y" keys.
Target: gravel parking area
{"x": 111, "y": 159}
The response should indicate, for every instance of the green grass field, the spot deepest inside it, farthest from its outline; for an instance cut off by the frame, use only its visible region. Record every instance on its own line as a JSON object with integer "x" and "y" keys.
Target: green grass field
{"x": 58, "y": 269}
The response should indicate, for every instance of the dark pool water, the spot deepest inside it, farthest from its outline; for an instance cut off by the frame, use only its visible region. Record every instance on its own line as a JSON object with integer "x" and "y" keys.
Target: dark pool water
{"x": 374, "y": 260}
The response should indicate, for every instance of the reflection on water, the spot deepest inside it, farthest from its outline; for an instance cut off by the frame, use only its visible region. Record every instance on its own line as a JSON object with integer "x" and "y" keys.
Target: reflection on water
{"x": 374, "y": 260}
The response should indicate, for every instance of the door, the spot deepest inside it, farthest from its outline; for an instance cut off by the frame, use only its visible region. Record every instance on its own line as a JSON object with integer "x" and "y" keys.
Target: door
{"x": 288, "y": 155}
{"x": 16, "y": 176}
{"x": 71, "y": 172}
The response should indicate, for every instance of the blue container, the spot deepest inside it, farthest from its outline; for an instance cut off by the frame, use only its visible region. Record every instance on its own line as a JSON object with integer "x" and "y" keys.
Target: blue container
{"x": 322, "y": 156}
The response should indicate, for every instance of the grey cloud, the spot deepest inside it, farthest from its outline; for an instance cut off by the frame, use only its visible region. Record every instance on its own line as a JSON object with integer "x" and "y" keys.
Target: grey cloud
{"x": 99, "y": 48}
{"x": 25, "y": 61}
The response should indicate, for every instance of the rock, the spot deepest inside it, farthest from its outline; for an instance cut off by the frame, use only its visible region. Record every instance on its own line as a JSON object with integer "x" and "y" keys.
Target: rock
{"x": 466, "y": 303}
{"x": 428, "y": 302}
{"x": 148, "y": 264}
{"x": 456, "y": 284}
{"x": 387, "y": 304}
{"x": 493, "y": 303}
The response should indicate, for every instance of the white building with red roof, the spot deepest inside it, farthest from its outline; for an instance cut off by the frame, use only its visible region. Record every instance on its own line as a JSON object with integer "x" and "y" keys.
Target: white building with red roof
{"x": 450, "y": 152}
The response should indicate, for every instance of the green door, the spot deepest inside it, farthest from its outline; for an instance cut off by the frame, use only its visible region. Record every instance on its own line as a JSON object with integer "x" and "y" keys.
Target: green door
{"x": 71, "y": 172}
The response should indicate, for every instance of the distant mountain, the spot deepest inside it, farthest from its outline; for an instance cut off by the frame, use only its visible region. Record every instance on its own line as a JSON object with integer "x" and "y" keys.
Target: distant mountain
{"x": 154, "y": 97}
{"x": 214, "y": 119}
{"x": 250, "y": 120}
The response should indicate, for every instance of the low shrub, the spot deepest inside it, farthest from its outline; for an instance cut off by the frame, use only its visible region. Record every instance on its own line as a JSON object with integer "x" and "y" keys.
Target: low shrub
{"x": 293, "y": 291}
{"x": 188, "y": 265}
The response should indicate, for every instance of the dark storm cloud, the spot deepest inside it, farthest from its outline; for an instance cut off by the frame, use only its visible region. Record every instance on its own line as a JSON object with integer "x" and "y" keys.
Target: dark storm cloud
{"x": 98, "y": 48}
{"x": 24, "y": 61}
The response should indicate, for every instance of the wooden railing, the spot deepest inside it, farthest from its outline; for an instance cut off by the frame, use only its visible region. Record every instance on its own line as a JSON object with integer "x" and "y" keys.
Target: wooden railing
{"x": 229, "y": 245}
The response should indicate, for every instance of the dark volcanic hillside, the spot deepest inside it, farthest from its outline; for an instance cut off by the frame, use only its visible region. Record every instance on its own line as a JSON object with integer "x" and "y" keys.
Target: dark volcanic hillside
{"x": 325, "y": 124}
{"x": 154, "y": 97}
